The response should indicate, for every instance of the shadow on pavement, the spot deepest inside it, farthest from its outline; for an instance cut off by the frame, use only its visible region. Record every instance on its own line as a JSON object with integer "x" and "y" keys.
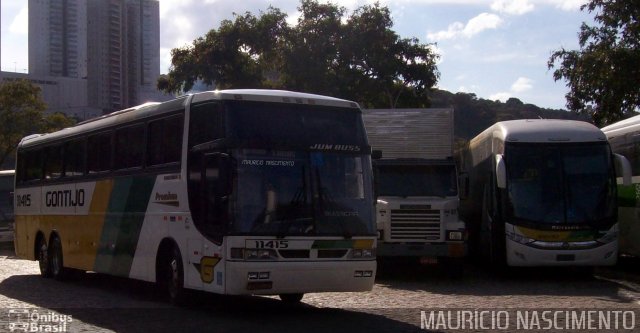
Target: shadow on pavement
{"x": 124, "y": 305}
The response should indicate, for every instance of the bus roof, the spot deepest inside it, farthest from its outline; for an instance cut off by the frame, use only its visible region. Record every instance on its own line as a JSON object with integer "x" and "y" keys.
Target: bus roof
{"x": 7, "y": 173}
{"x": 153, "y": 109}
{"x": 622, "y": 127}
{"x": 542, "y": 130}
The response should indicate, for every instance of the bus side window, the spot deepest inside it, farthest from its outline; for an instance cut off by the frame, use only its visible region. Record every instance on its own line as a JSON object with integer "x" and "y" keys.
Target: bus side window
{"x": 99, "y": 156}
{"x": 75, "y": 158}
{"x": 206, "y": 123}
{"x": 53, "y": 162}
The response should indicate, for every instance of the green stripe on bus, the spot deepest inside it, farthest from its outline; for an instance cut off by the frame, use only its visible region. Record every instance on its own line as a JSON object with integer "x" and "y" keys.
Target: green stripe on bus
{"x": 627, "y": 196}
{"x": 123, "y": 222}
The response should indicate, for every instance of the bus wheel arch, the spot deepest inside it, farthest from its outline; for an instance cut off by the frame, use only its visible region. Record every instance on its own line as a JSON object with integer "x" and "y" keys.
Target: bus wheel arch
{"x": 170, "y": 271}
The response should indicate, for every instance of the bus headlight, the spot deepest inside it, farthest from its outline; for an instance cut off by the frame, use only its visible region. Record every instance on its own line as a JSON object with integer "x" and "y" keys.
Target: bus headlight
{"x": 363, "y": 253}
{"x": 519, "y": 238}
{"x": 253, "y": 254}
{"x": 610, "y": 236}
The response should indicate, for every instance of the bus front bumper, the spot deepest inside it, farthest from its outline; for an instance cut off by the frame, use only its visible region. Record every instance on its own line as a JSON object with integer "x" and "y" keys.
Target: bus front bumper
{"x": 523, "y": 255}
{"x": 273, "y": 278}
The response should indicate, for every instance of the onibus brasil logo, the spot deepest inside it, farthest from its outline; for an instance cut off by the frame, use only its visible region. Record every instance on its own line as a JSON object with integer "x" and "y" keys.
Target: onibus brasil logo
{"x": 27, "y": 320}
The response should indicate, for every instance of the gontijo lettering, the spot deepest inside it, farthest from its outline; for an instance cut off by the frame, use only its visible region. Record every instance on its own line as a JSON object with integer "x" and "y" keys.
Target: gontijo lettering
{"x": 65, "y": 198}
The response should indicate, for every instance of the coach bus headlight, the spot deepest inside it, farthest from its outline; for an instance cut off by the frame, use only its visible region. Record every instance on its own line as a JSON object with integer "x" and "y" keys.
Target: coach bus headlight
{"x": 363, "y": 253}
{"x": 253, "y": 254}
{"x": 610, "y": 236}
{"x": 519, "y": 238}
{"x": 260, "y": 254}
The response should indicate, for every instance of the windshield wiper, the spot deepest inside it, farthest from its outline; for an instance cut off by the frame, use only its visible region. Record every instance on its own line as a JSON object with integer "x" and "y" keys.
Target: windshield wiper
{"x": 297, "y": 204}
{"x": 321, "y": 198}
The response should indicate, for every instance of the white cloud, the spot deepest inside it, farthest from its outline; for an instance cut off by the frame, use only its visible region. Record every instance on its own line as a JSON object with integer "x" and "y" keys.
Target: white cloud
{"x": 512, "y": 7}
{"x": 501, "y": 96}
{"x": 567, "y": 5}
{"x": 522, "y": 84}
{"x": 476, "y": 25}
{"x": 20, "y": 24}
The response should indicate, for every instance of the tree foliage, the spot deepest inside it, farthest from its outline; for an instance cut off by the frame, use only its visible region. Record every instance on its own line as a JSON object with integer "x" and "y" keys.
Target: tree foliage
{"x": 354, "y": 56}
{"x": 604, "y": 75}
{"x": 22, "y": 113}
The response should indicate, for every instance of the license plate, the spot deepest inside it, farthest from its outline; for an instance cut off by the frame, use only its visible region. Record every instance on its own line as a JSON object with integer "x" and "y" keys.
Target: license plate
{"x": 428, "y": 261}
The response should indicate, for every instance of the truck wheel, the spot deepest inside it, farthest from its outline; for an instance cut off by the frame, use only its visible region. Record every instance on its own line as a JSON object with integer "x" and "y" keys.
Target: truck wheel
{"x": 291, "y": 298}
{"x": 43, "y": 258}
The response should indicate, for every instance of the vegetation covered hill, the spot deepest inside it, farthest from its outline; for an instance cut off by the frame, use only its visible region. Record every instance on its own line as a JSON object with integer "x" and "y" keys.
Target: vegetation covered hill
{"x": 473, "y": 114}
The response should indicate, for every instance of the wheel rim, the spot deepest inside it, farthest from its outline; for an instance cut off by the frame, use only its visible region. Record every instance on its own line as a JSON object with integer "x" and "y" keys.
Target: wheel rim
{"x": 43, "y": 258}
{"x": 174, "y": 278}
{"x": 55, "y": 258}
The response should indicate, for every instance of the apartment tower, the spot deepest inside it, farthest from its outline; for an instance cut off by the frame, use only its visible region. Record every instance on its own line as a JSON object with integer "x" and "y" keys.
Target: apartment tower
{"x": 114, "y": 44}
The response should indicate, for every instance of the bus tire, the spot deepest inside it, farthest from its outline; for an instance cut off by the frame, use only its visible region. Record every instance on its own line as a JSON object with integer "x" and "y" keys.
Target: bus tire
{"x": 56, "y": 262}
{"x": 43, "y": 257}
{"x": 172, "y": 277}
{"x": 291, "y": 298}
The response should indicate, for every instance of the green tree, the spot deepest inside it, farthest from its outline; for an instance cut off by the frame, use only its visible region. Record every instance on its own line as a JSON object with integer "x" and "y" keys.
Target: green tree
{"x": 22, "y": 113}
{"x": 604, "y": 74}
{"x": 355, "y": 57}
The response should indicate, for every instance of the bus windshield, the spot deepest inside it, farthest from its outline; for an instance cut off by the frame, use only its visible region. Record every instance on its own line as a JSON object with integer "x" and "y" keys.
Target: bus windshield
{"x": 416, "y": 180}
{"x": 287, "y": 193}
{"x": 265, "y": 125}
{"x": 560, "y": 183}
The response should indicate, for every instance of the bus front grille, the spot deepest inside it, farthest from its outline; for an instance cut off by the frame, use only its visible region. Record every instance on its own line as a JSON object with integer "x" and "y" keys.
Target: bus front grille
{"x": 415, "y": 225}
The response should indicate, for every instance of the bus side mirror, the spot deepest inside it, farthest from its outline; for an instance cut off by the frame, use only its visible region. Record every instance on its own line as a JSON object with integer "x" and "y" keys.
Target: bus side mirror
{"x": 501, "y": 172}
{"x": 463, "y": 184}
{"x": 624, "y": 166}
{"x": 376, "y": 154}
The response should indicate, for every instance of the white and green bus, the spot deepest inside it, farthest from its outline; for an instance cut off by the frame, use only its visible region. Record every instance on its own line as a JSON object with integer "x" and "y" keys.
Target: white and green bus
{"x": 624, "y": 138}
{"x": 542, "y": 193}
{"x": 232, "y": 192}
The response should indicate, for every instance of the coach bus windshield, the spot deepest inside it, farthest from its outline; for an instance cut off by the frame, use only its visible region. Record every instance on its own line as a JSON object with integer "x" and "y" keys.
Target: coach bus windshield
{"x": 416, "y": 180}
{"x": 267, "y": 125}
{"x": 560, "y": 183}
{"x": 302, "y": 193}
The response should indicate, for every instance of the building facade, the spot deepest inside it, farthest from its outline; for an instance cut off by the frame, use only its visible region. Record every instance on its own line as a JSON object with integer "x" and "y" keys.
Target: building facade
{"x": 112, "y": 44}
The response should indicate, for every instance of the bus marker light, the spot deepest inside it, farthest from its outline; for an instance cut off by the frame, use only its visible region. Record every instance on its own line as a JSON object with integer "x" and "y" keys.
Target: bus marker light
{"x": 358, "y": 274}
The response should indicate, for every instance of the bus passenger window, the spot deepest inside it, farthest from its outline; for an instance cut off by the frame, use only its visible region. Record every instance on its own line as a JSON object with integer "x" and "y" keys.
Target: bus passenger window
{"x": 99, "y": 156}
{"x": 74, "y": 158}
{"x": 128, "y": 148}
{"x": 53, "y": 162}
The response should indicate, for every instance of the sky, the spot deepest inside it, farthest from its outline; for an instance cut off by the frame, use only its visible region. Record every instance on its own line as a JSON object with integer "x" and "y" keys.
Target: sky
{"x": 496, "y": 49}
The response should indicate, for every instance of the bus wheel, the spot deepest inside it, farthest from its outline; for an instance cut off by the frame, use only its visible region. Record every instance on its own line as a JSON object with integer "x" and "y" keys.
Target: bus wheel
{"x": 43, "y": 258}
{"x": 174, "y": 277}
{"x": 55, "y": 259}
{"x": 291, "y": 298}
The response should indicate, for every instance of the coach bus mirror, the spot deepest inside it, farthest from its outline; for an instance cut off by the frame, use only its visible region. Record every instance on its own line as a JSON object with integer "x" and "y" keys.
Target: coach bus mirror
{"x": 501, "y": 172}
{"x": 625, "y": 167}
{"x": 463, "y": 180}
{"x": 376, "y": 154}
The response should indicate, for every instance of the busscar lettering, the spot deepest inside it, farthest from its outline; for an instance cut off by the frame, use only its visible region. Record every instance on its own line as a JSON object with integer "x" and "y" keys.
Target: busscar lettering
{"x": 65, "y": 198}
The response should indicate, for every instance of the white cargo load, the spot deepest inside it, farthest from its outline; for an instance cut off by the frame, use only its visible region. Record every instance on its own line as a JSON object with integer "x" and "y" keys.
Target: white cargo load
{"x": 410, "y": 133}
